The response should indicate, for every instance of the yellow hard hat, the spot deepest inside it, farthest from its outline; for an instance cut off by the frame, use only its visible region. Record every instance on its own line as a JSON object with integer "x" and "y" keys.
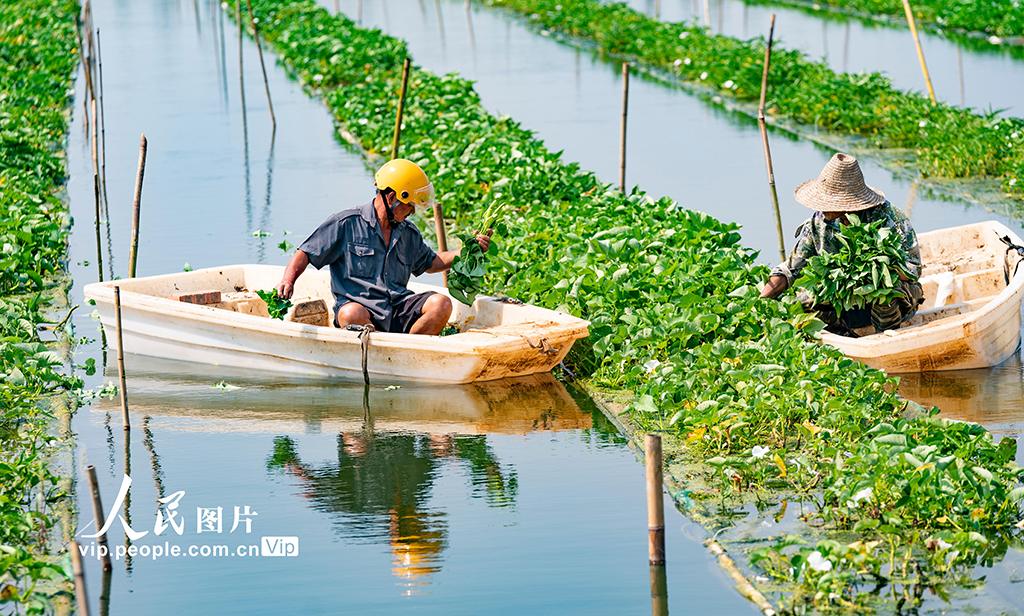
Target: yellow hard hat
{"x": 407, "y": 180}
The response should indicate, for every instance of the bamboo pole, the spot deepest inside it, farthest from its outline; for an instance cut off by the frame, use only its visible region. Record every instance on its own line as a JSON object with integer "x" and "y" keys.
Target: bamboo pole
{"x": 97, "y": 509}
{"x": 622, "y": 131}
{"x": 960, "y": 74}
{"x": 99, "y": 241}
{"x": 120, "y": 360}
{"x": 81, "y": 55}
{"x": 655, "y": 503}
{"x": 136, "y": 207}
{"x": 659, "y": 591}
{"x": 359, "y": 12}
{"x": 95, "y": 138}
{"x": 259, "y": 48}
{"x": 920, "y": 53}
{"x": 81, "y": 596}
{"x": 764, "y": 141}
{"x": 707, "y": 14}
{"x": 401, "y": 109}
{"x": 103, "y": 125}
{"x": 442, "y": 236}
{"x": 337, "y": 8}
{"x": 241, "y": 67}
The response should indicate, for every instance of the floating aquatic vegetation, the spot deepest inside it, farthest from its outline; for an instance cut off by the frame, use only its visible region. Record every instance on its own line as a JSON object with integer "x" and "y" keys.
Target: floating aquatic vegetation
{"x": 672, "y": 298}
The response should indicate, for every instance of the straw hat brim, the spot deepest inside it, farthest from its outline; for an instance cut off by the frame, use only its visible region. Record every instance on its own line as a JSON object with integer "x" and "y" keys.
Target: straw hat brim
{"x": 815, "y": 195}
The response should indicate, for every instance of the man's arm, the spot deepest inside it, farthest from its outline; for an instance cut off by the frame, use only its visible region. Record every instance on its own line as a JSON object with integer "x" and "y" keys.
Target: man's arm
{"x": 443, "y": 260}
{"x": 292, "y": 271}
{"x": 776, "y": 286}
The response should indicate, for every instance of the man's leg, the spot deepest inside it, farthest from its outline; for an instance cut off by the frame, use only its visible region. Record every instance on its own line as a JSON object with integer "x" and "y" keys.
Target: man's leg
{"x": 352, "y": 313}
{"x": 435, "y": 313}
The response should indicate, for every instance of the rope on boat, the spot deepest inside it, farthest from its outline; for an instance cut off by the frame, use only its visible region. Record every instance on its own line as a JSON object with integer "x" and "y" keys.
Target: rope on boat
{"x": 364, "y": 342}
{"x": 543, "y": 347}
{"x": 1010, "y": 246}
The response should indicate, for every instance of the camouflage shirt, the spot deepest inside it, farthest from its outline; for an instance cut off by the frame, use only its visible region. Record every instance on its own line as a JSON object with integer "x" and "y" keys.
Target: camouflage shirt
{"x": 817, "y": 236}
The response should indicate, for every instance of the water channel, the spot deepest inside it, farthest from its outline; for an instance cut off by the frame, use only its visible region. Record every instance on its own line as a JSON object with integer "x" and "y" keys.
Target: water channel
{"x": 510, "y": 497}
{"x": 982, "y": 75}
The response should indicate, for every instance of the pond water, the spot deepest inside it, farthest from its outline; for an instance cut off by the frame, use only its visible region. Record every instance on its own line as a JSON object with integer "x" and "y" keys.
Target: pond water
{"x": 981, "y": 75}
{"x": 509, "y": 497}
{"x": 678, "y": 145}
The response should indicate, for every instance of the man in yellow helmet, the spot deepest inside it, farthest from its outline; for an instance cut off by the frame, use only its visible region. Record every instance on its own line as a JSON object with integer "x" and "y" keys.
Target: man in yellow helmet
{"x": 372, "y": 250}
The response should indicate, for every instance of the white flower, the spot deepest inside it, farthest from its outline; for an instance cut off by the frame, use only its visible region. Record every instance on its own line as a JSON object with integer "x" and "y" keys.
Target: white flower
{"x": 651, "y": 365}
{"x": 318, "y": 78}
{"x": 728, "y": 472}
{"x": 943, "y": 545}
{"x": 759, "y": 452}
{"x": 814, "y": 368}
{"x": 704, "y": 75}
{"x": 864, "y": 494}
{"x": 558, "y": 7}
{"x": 363, "y": 121}
{"x": 995, "y": 40}
{"x": 819, "y": 562}
{"x": 728, "y": 84}
{"x": 687, "y": 61}
{"x": 1014, "y": 135}
{"x": 677, "y": 63}
{"x": 683, "y": 35}
{"x": 923, "y": 123}
{"x": 1013, "y": 181}
{"x": 833, "y": 596}
{"x": 255, "y": 20}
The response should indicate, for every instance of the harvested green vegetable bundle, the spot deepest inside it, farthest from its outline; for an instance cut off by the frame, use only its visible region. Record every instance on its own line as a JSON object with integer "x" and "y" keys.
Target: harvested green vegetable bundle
{"x": 864, "y": 271}
{"x": 468, "y": 269}
{"x": 277, "y": 306}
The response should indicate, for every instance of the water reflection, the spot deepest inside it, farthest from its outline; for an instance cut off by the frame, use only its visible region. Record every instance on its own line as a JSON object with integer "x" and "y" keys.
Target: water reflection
{"x": 378, "y": 486}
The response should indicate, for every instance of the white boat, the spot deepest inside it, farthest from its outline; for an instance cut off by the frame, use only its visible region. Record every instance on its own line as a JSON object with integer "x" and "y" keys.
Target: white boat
{"x": 970, "y": 318}
{"x": 497, "y": 339}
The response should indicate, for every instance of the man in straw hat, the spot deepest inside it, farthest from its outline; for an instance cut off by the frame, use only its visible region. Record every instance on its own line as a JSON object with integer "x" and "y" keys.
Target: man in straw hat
{"x": 840, "y": 189}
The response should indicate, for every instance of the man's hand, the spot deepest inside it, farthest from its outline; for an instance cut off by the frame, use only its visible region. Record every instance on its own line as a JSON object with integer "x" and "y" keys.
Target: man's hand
{"x": 292, "y": 271}
{"x": 285, "y": 289}
{"x": 484, "y": 239}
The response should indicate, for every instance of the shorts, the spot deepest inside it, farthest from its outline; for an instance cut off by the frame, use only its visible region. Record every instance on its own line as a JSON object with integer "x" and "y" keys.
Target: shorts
{"x": 403, "y": 315}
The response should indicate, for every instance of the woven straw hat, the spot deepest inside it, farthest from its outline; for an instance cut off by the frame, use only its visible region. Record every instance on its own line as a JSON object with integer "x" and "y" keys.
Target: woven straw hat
{"x": 839, "y": 188}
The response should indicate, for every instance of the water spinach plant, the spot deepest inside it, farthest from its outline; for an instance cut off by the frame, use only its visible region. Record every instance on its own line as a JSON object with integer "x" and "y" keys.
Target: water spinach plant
{"x": 942, "y": 141}
{"x": 869, "y": 263}
{"x": 38, "y": 56}
{"x": 994, "y": 18}
{"x": 466, "y": 278}
{"x": 277, "y": 306}
{"x": 739, "y": 381}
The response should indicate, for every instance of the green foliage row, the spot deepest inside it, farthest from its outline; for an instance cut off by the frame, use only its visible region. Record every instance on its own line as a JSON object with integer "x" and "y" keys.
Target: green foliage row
{"x": 946, "y": 141}
{"x": 993, "y": 17}
{"x": 671, "y": 295}
{"x": 38, "y": 56}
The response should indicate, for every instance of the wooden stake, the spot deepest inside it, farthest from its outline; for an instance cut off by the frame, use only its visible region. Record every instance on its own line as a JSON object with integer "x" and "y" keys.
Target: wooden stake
{"x": 960, "y": 74}
{"x": 622, "y": 131}
{"x": 442, "y": 235}
{"x": 99, "y": 244}
{"x": 337, "y": 8}
{"x": 764, "y": 141}
{"x": 81, "y": 596}
{"x": 136, "y": 206}
{"x": 401, "y": 108}
{"x": 259, "y": 48}
{"x": 241, "y": 67}
{"x": 81, "y": 55}
{"x": 920, "y": 54}
{"x": 103, "y": 126}
{"x": 707, "y": 14}
{"x": 655, "y": 504}
{"x": 359, "y": 12}
{"x": 95, "y": 139}
{"x": 97, "y": 509}
{"x": 120, "y": 359}
{"x": 659, "y": 591}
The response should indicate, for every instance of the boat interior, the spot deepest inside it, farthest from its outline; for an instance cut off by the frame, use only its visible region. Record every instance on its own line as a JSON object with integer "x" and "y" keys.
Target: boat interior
{"x": 234, "y": 288}
{"x": 962, "y": 271}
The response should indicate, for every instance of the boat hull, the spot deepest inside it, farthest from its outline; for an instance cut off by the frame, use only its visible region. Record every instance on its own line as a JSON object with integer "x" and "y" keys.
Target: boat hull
{"x": 156, "y": 326}
{"x": 985, "y": 328}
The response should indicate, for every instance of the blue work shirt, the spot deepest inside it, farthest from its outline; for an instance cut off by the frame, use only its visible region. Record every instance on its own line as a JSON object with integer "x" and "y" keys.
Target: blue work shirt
{"x": 363, "y": 269}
